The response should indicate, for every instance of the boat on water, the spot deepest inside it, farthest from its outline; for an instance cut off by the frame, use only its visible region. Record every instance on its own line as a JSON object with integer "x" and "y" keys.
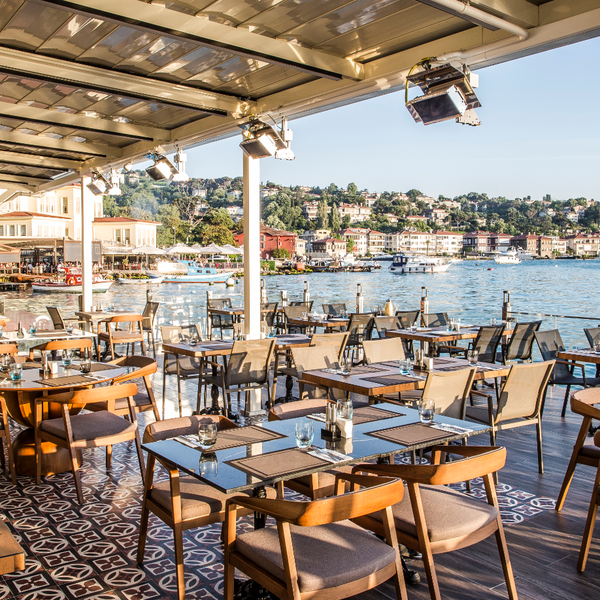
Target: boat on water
{"x": 197, "y": 274}
{"x": 409, "y": 262}
{"x": 149, "y": 280}
{"x": 455, "y": 261}
{"x": 72, "y": 283}
{"x": 510, "y": 257}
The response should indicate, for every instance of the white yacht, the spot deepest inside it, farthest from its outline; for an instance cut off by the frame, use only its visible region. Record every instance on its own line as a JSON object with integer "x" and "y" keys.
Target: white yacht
{"x": 510, "y": 257}
{"x": 408, "y": 262}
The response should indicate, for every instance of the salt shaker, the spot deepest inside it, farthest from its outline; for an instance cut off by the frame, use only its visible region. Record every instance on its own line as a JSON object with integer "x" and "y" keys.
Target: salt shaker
{"x": 331, "y": 417}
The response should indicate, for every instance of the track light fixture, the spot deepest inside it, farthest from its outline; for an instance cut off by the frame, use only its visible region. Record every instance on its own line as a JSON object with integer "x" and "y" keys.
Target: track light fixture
{"x": 115, "y": 179}
{"x": 447, "y": 94}
{"x": 262, "y": 140}
{"x": 99, "y": 184}
{"x": 162, "y": 168}
{"x": 180, "y": 159}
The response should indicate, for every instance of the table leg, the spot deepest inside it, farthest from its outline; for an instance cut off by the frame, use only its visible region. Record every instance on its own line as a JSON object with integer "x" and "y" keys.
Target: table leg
{"x": 289, "y": 386}
{"x": 214, "y": 409}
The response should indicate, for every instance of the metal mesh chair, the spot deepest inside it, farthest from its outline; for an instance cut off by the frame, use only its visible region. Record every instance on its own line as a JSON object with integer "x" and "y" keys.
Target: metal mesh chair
{"x": 293, "y": 312}
{"x": 380, "y": 325}
{"x": 520, "y": 345}
{"x": 58, "y": 321}
{"x": 550, "y": 344}
{"x": 307, "y": 305}
{"x": 450, "y": 391}
{"x": 408, "y": 317}
{"x": 220, "y": 322}
{"x": 358, "y": 328}
{"x": 268, "y": 313}
{"x": 149, "y": 316}
{"x": 334, "y": 310}
{"x": 593, "y": 337}
{"x": 435, "y": 319}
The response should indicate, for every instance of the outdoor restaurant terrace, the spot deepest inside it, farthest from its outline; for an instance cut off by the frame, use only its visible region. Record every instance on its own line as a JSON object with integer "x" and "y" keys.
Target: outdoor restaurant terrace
{"x": 126, "y": 441}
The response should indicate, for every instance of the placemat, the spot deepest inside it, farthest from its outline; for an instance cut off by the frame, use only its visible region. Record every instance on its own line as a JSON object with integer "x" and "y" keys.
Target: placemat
{"x": 101, "y": 367}
{"x": 274, "y": 464}
{"x": 446, "y": 369}
{"x": 69, "y": 380}
{"x": 31, "y": 365}
{"x": 212, "y": 346}
{"x": 51, "y": 334}
{"x": 407, "y": 435}
{"x": 366, "y": 414}
{"x": 392, "y": 379}
{"x": 370, "y": 369}
{"x": 242, "y": 436}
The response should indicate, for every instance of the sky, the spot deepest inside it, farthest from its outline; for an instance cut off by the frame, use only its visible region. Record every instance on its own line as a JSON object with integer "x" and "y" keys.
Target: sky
{"x": 540, "y": 134}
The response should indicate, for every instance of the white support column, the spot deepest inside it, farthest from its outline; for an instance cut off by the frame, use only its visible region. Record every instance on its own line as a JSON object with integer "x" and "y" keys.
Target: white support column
{"x": 87, "y": 216}
{"x": 252, "y": 266}
{"x": 251, "y": 247}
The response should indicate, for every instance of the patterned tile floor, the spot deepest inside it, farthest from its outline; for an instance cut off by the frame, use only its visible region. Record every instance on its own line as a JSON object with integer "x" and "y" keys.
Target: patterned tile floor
{"x": 89, "y": 551}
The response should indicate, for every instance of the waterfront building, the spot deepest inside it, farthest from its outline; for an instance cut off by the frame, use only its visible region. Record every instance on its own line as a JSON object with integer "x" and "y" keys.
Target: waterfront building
{"x": 544, "y": 246}
{"x": 271, "y": 239}
{"x": 125, "y": 231}
{"x": 499, "y": 242}
{"x": 527, "y": 242}
{"x": 448, "y": 242}
{"x": 376, "y": 241}
{"x": 476, "y": 242}
{"x": 584, "y": 245}
{"x": 360, "y": 238}
{"x": 300, "y": 247}
{"x": 559, "y": 245}
{"x": 329, "y": 247}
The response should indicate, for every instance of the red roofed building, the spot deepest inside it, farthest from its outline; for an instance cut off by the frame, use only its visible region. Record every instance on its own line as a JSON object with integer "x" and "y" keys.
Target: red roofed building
{"x": 329, "y": 247}
{"x": 527, "y": 242}
{"x": 271, "y": 239}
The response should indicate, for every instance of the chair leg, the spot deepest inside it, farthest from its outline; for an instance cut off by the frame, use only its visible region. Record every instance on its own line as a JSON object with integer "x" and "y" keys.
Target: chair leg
{"x": 589, "y": 528}
{"x": 566, "y": 400}
{"x": 538, "y": 428}
{"x": 108, "y": 457}
{"x": 585, "y": 425}
{"x": 164, "y": 383}
{"x": 38, "y": 459}
{"x": 75, "y": 469}
{"x": 509, "y": 577}
{"x": 179, "y": 569}
{"x": 145, "y": 512}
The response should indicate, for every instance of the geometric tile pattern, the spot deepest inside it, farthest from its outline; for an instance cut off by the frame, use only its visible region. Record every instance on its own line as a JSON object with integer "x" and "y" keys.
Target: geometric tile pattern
{"x": 88, "y": 552}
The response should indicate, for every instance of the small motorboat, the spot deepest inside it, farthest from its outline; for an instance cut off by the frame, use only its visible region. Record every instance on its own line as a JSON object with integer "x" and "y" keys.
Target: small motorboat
{"x": 510, "y": 257}
{"x": 72, "y": 283}
{"x": 197, "y": 274}
{"x": 408, "y": 263}
{"x": 144, "y": 279}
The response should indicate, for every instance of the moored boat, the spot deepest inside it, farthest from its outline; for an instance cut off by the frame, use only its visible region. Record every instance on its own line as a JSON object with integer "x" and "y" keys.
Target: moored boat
{"x": 72, "y": 283}
{"x": 149, "y": 280}
{"x": 197, "y": 274}
{"x": 510, "y": 257}
{"x": 408, "y": 262}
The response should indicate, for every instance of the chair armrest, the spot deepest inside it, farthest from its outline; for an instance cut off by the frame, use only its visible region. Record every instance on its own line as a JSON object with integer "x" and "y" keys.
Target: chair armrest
{"x": 479, "y": 394}
{"x": 358, "y": 481}
{"x": 283, "y": 510}
{"x": 465, "y": 451}
{"x": 416, "y": 473}
{"x": 213, "y": 363}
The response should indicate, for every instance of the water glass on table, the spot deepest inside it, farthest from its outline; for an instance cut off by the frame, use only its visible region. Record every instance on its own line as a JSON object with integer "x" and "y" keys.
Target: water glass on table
{"x": 472, "y": 357}
{"x": 345, "y": 410}
{"x": 426, "y": 408}
{"x": 207, "y": 435}
{"x": 405, "y": 367}
{"x": 67, "y": 358}
{"x": 16, "y": 371}
{"x": 346, "y": 365}
{"x": 304, "y": 433}
{"x": 597, "y": 347}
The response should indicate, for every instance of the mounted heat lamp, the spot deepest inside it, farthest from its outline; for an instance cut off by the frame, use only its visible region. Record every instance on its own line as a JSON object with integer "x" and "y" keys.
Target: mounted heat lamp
{"x": 262, "y": 140}
{"x": 447, "y": 94}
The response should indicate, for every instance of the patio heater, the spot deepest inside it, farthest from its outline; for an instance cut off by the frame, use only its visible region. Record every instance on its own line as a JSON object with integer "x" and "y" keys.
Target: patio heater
{"x": 306, "y": 292}
{"x": 360, "y": 300}
{"x": 284, "y": 298}
{"x": 424, "y": 304}
{"x": 506, "y": 306}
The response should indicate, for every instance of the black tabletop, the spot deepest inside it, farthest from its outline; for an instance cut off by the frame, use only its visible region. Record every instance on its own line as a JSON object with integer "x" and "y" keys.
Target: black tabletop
{"x": 361, "y": 447}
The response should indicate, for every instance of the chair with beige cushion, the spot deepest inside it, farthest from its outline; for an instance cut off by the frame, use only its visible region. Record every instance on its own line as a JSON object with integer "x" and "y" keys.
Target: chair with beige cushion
{"x": 520, "y": 402}
{"x": 5, "y": 437}
{"x": 311, "y": 359}
{"x": 592, "y": 514}
{"x": 450, "y": 391}
{"x": 434, "y": 519}
{"x": 315, "y": 550}
{"x": 89, "y": 430}
{"x": 182, "y": 503}
{"x": 80, "y": 344}
{"x": 585, "y": 451}
{"x": 298, "y": 409}
{"x": 338, "y": 340}
{"x": 123, "y": 329}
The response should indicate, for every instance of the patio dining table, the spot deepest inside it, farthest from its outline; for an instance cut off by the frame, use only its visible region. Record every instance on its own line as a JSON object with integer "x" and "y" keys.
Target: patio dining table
{"x": 30, "y": 340}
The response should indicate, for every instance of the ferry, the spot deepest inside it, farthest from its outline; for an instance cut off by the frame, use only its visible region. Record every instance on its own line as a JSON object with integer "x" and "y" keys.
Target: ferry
{"x": 72, "y": 283}
{"x": 197, "y": 274}
{"x": 407, "y": 262}
{"x": 510, "y": 257}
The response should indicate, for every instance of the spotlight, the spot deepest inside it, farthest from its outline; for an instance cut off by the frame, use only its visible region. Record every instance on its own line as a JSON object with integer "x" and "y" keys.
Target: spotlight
{"x": 448, "y": 94}
{"x": 99, "y": 185}
{"x": 262, "y": 140}
{"x": 161, "y": 169}
{"x": 180, "y": 159}
{"x": 115, "y": 179}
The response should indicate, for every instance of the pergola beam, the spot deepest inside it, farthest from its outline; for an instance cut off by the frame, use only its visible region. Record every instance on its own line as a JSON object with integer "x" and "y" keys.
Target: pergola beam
{"x": 519, "y": 12}
{"x": 88, "y": 77}
{"x": 30, "y": 182}
{"x": 72, "y": 121}
{"x": 34, "y": 160}
{"x": 157, "y": 18}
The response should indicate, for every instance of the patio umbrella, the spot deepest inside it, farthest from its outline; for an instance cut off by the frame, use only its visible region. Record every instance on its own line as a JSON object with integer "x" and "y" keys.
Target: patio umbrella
{"x": 150, "y": 250}
{"x": 211, "y": 249}
{"x": 179, "y": 249}
{"x": 229, "y": 249}
{"x": 116, "y": 250}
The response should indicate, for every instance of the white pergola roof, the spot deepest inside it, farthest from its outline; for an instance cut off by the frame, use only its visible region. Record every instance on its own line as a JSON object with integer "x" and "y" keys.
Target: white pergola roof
{"x": 99, "y": 83}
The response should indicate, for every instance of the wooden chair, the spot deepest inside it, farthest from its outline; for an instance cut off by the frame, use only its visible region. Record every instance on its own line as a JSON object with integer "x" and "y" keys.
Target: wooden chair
{"x": 144, "y": 400}
{"x": 246, "y": 369}
{"x": 149, "y": 316}
{"x": 5, "y": 436}
{"x": 520, "y": 402}
{"x": 433, "y": 519}
{"x": 57, "y": 345}
{"x": 591, "y": 518}
{"x": 315, "y": 551}
{"x": 89, "y": 430}
{"x": 10, "y": 349}
{"x": 298, "y": 409}
{"x": 183, "y": 367}
{"x": 181, "y": 503}
{"x": 585, "y": 451}
{"x": 130, "y": 335}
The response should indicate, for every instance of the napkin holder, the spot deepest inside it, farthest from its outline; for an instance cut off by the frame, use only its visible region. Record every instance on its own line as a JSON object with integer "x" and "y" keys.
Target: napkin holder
{"x": 331, "y": 434}
{"x": 345, "y": 428}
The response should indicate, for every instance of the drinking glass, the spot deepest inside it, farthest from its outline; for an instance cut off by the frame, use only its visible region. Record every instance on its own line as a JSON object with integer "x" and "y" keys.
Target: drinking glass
{"x": 472, "y": 357}
{"x": 304, "y": 433}
{"x": 1, "y": 331}
{"x": 405, "y": 367}
{"x": 33, "y": 328}
{"x": 5, "y": 361}
{"x": 426, "y": 408}
{"x": 345, "y": 409}
{"x": 209, "y": 466}
{"x": 16, "y": 371}
{"x": 346, "y": 365}
{"x": 69, "y": 328}
{"x": 207, "y": 435}
{"x": 85, "y": 366}
{"x": 67, "y": 358}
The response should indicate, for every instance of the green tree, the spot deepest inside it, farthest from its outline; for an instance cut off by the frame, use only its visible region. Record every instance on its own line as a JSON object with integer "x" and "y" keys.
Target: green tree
{"x": 322, "y": 214}
{"x": 349, "y": 246}
{"x": 280, "y": 253}
{"x": 352, "y": 189}
{"x": 217, "y": 234}
{"x": 335, "y": 219}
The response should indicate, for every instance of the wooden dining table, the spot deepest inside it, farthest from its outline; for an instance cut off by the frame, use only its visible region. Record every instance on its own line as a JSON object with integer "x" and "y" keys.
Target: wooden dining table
{"x": 215, "y": 348}
{"x": 20, "y": 399}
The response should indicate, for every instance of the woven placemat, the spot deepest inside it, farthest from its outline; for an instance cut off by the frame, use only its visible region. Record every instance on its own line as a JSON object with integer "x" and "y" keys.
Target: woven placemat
{"x": 275, "y": 464}
{"x": 100, "y": 367}
{"x": 30, "y": 365}
{"x": 392, "y": 379}
{"x": 369, "y": 369}
{"x": 366, "y": 414}
{"x": 242, "y": 436}
{"x": 51, "y": 334}
{"x": 69, "y": 380}
{"x": 408, "y": 435}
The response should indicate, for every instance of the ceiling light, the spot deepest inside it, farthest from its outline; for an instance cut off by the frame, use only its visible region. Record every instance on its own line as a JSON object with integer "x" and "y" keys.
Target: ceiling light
{"x": 261, "y": 140}
{"x": 115, "y": 179}
{"x": 128, "y": 167}
{"x": 99, "y": 185}
{"x": 448, "y": 94}
{"x": 180, "y": 159}
{"x": 161, "y": 169}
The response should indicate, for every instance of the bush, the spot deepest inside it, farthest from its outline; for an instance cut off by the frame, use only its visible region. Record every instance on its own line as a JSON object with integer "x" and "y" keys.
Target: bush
{"x": 280, "y": 253}
{"x": 267, "y": 265}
